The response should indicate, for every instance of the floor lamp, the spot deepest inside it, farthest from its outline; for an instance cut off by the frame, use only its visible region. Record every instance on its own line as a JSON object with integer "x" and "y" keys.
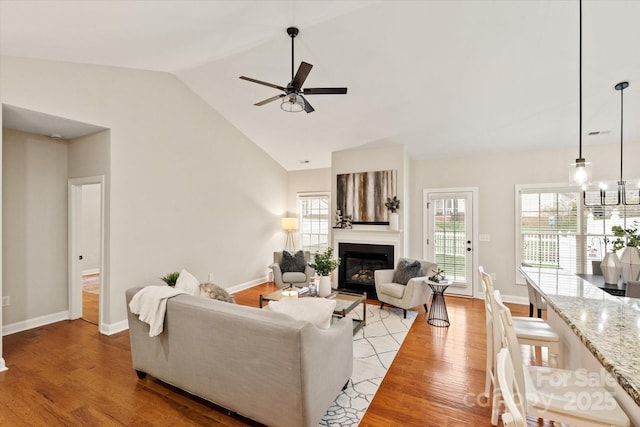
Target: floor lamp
{"x": 289, "y": 225}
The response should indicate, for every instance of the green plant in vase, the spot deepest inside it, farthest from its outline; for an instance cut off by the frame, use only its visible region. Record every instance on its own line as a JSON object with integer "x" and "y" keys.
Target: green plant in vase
{"x": 170, "y": 278}
{"x": 324, "y": 264}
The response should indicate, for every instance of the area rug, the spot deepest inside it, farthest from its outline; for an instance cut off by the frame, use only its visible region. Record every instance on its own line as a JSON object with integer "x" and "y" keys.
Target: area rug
{"x": 374, "y": 348}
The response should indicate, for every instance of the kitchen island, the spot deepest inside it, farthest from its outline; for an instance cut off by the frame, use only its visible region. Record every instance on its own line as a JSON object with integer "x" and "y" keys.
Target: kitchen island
{"x": 598, "y": 331}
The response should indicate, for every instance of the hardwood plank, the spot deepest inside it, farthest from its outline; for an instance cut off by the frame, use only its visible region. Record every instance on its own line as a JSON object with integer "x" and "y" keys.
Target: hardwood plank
{"x": 68, "y": 374}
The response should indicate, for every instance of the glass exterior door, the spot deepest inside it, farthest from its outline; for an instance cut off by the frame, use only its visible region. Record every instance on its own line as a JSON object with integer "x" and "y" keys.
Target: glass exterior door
{"x": 449, "y": 220}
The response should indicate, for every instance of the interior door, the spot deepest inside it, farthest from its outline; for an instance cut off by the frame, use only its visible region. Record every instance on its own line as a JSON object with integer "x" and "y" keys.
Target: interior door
{"x": 448, "y": 218}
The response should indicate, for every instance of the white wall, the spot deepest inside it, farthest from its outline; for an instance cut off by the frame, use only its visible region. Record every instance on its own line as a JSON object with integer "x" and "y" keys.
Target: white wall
{"x": 34, "y": 225}
{"x": 496, "y": 175}
{"x": 306, "y": 181}
{"x": 90, "y": 236}
{"x": 91, "y": 156}
{"x": 187, "y": 189}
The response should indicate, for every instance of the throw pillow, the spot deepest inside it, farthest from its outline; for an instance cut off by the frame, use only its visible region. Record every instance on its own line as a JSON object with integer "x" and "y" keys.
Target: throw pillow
{"x": 406, "y": 270}
{"x": 188, "y": 283}
{"x": 209, "y": 290}
{"x": 313, "y": 310}
{"x": 292, "y": 262}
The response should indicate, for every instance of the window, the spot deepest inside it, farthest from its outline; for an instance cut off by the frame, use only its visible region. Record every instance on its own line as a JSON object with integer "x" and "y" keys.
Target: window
{"x": 598, "y": 236}
{"x": 555, "y": 230}
{"x": 313, "y": 217}
{"x": 549, "y": 228}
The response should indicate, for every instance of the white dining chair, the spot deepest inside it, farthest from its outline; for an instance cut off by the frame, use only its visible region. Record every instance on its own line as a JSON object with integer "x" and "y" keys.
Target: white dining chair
{"x": 530, "y": 331}
{"x": 513, "y": 416}
{"x": 556, "y": 394}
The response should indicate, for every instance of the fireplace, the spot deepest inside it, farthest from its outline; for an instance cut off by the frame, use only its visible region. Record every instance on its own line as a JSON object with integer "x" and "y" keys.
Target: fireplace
{"x": 359, "y": 261}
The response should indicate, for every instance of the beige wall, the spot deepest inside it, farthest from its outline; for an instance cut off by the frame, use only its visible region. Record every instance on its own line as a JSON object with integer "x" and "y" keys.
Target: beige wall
{"x": 306, "y": 181}
{"x": 90, "y": 225}
{"x": 34, "y": 225}
{"x": 187, "y": 189}
{"x": 496, "y": 175}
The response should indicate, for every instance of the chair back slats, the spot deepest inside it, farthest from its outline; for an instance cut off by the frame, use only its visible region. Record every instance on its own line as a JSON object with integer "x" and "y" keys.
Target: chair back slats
{"x": 515, "y": 408}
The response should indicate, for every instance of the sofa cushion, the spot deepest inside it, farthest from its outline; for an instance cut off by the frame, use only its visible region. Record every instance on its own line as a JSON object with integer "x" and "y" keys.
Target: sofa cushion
{"x": 394, "y": 290}
{"x": 313, "y": 310}
{"x": 188, "y": 282}
{"x": 406, "y": 270}
{"x": 292, "y": 262}
{"x": 210, "y": 290}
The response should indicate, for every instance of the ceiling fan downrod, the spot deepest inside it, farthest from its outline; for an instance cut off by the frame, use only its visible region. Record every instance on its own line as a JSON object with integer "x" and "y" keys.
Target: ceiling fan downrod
{"x": 293, "y": 32}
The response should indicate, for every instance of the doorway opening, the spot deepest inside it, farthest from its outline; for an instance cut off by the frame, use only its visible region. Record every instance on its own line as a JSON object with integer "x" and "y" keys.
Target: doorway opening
{"x": 86, "y": 236}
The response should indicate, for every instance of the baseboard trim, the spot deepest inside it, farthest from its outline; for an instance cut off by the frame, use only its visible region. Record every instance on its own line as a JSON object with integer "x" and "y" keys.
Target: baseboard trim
{"x": 114, "y": 328}
{"x": 36, "y": 322}
{"x": 3, "y": 367}
{"x": 246, "y": 285}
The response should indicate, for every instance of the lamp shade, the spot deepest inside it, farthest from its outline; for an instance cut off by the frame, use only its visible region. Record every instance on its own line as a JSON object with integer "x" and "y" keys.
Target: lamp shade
{"x": 289, "y": 224}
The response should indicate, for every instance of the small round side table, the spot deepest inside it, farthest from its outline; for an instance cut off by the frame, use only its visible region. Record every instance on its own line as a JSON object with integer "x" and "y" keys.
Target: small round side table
{"x": 438, "y": 313}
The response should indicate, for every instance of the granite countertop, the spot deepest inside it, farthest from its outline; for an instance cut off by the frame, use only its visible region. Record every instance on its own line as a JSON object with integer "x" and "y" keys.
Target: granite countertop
{"x": 609, "y": 326}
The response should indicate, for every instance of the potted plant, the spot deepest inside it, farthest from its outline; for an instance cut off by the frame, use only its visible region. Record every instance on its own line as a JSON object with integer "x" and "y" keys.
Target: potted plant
{"x": 170, "y": 278}
{"x": 393, "y": 204}
{"x": 630, "y": 258}
{"x": 324, "y": 264}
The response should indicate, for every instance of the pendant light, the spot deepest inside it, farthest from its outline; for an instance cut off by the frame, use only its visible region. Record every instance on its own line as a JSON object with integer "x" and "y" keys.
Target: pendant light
{"x": 620, "y": 195}
{"x": 580, "y": 171}
{"x": 631, "y": 197}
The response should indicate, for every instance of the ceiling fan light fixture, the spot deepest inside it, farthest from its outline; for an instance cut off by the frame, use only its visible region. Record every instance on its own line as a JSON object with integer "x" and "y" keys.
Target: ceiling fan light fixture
{"x": 292, "y": 103}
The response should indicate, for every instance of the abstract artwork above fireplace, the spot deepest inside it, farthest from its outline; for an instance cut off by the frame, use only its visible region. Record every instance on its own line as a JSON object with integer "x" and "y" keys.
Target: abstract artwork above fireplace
{"x": 362, "y": 195}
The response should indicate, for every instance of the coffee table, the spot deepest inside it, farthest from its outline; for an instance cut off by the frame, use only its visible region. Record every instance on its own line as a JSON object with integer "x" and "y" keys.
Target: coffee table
{"x": 345, "y": 303}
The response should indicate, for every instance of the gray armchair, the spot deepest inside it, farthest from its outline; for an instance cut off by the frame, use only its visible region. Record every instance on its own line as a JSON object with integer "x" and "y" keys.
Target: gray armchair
{"x": 414, "y": 293}
{"x": 283, "y": 279}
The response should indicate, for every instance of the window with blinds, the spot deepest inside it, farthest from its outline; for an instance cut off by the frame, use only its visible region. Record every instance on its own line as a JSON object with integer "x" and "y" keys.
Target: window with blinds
{"x": 597, "y": 229}
{"x": 549, "y": 229}
{"x": 313, "y": 219}
{"x": 555, "y": 230}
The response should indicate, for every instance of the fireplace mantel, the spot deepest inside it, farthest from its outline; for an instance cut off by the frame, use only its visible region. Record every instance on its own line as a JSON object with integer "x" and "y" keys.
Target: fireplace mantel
{"x": 371, "y": 234}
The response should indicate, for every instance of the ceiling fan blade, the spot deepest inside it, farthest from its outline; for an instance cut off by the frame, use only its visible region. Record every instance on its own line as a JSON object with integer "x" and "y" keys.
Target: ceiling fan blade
{"x": 307, "y": 107}
{"x": 268, "y": 100}
{"x": 301, "y": 74}
{"x": 249, "y": 79}
{"x": 325, "y": 91}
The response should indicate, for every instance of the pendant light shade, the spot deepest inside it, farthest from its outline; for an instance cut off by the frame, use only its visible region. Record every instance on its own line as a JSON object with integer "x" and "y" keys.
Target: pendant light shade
{"x": 580, "y": 172}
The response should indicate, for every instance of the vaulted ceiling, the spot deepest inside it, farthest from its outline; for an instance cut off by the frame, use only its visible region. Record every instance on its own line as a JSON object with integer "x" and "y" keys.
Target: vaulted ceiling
{"x": 444, "y": 78}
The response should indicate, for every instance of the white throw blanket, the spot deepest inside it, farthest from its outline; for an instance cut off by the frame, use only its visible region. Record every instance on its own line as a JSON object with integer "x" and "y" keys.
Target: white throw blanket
{"x": 150, "y": 303}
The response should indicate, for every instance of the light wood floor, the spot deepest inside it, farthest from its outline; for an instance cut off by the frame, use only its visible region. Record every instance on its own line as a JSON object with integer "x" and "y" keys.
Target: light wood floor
{"x": 68, "y": 374}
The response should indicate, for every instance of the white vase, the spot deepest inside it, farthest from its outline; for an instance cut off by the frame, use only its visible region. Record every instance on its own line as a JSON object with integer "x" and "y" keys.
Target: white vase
{"x": 630, "y": 261}
{"x": 611, "y": 268}
{"x": 394, "y": 220}
{"x": 324, "y": 287}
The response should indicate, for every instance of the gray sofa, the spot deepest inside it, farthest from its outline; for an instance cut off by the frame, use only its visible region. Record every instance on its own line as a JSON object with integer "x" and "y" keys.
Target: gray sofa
{"x": 260, "y": 364}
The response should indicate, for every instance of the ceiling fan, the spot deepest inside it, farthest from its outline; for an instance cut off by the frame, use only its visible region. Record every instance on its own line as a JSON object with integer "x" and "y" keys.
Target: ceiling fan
{"x": 292, "y": 98}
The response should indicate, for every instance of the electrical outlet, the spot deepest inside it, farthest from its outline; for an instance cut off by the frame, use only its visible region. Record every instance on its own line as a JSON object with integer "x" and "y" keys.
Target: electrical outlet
{"x": 484, "y": 238}
{"x": 6, "y": 301}
{"x": 210, "y": 277}
{"x": 493, "y": 276}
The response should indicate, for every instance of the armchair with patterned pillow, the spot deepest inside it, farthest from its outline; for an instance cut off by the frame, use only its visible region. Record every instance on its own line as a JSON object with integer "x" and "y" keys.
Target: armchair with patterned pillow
{"x": 405, "y": 287}
{"x": 291, "y": 268}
